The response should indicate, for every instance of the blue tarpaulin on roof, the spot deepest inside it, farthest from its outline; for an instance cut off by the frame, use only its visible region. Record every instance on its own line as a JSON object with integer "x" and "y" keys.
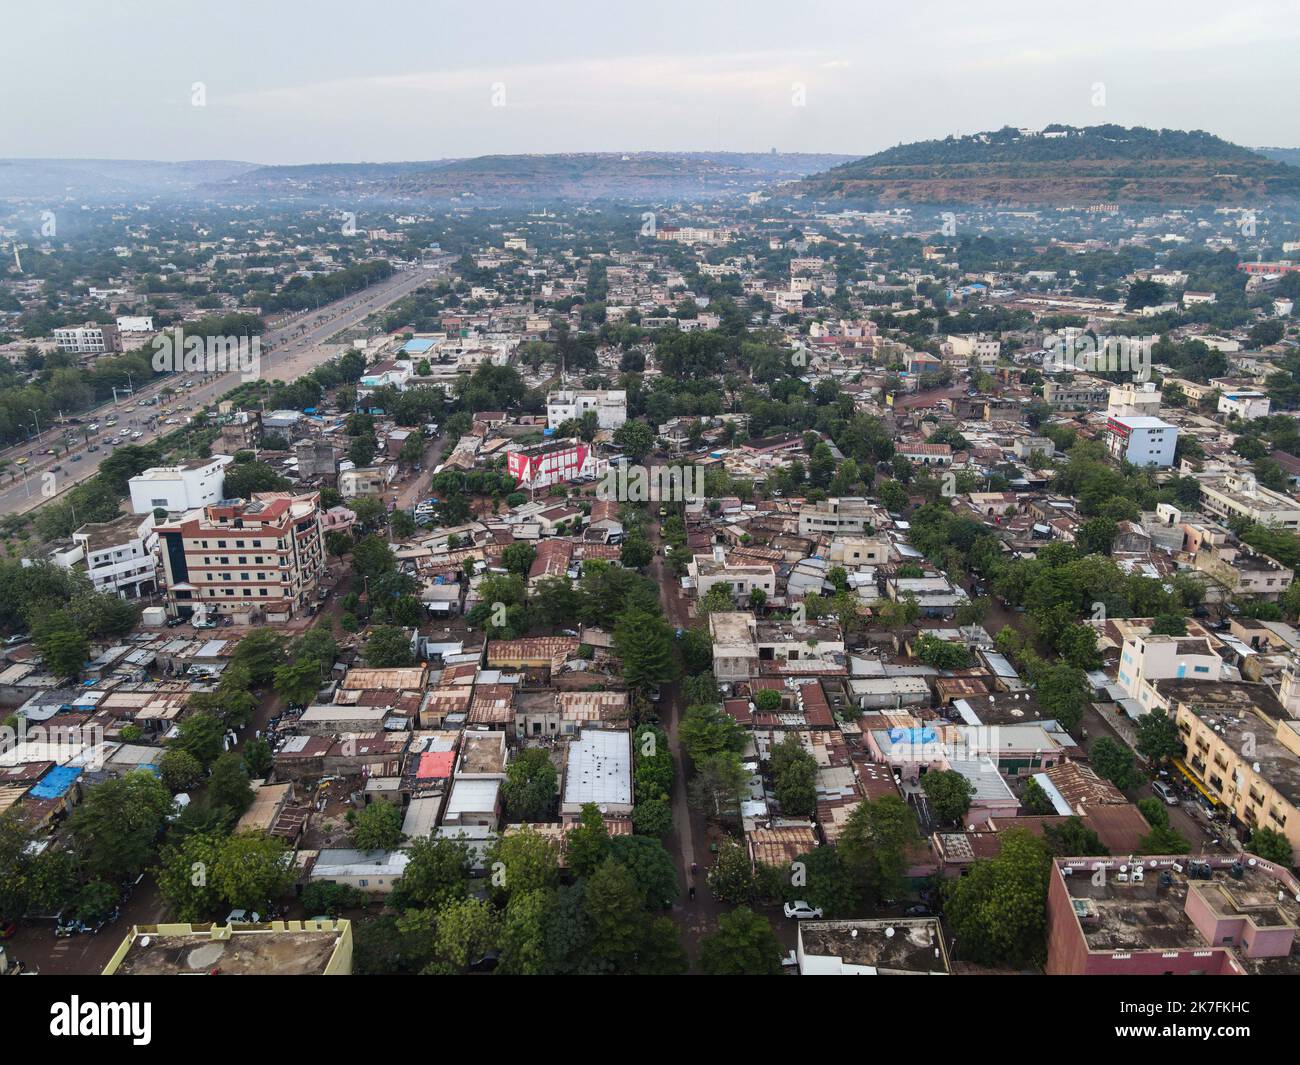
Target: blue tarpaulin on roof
{"x": 55, "y": 783}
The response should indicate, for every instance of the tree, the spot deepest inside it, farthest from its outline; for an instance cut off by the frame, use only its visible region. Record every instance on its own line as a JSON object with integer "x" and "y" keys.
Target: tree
{"x": 437, "y": 872}
{"x": 253, "y": 871}
{"x": 185, "y": 876}
{"x": 768, "y": 700}
{"x": 114, "y": 829}
{"x": 1114, "y": 763}
{"x": 635, "y": 438}
{"x": 1034, "y": 800}
{"x": 652, "y": 817}
{"x": 388, "y": 647}
{"x": 650, "y": 865}
{"x": 466, "y": 929}
{"x": 940, "y": 654}
{"x": 875, "y": 843}
{"x": 298, "y": 681}
{"x": 1072, "y": 838}
{"x": 822, "y": 879}
{"x": 743, "y": 945}
{"x": 524, "y": 862}
{"x": 1271, "y": 845}
{"x": 261, "y": 652}
{"x": 16, "y": 859}
{"x": 998, "y": 911}
{"x": 518, "y": 558}
{"x": 643, "y": 641}
{"x": 587, "y": 842}
{"x": 228, "y": 785}
{"x": 706, "y": 729}
{"x": 636, "y": 551}
{"x": 523, "y": 933}
{"x": 949, "y": 794}
{"x": 718, "y": 784}
{"x": 200, "y": 735}
{"x": 179, "y": 769}
{"x": 377, "y": 827}
{"x": 1164, "y": 840}
{"x": 795, "y": 774}
{"x": 530, "y": 787}
{"x": 62, "y": 644}
{"x": 1158, "y": 738}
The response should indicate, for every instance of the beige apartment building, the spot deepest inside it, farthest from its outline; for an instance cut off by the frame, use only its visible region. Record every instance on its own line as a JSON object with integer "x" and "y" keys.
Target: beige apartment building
{"x": 257, "y": 560}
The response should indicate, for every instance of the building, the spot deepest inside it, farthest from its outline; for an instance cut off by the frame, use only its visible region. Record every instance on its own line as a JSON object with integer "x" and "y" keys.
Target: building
{"x": 1144, "y": 659}
{"x": 135, "y": 323}
{"x": 89, "y": 339}
{"x": 881, "y": 947}
{"x": 834, "y": 516}
{"x": 740, "y": 580}
{"x": 1142, "y": 441}
{"x": 259, "y": 559}
{"x": 1171, "y": 916}
{"x": 735, "y": 645}
{"x": 1239, "y": 495}
{"x": 1134, "y": 401}
{"x": 566, "y": 404}
{"x": 1245, "y": 403}
{"x": 277, "y": 948}
{"x": 599, "y": 771}
{"x": 119, "y": 555}
{"x": 188, "y": 486}
{"x": 1075, "y": 395}
{"x": 554, "y": 462}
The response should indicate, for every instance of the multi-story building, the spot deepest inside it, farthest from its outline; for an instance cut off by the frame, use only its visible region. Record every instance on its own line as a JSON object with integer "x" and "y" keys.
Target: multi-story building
{"x": 119, "y": 555}
{"x": 187, "y": 486}
{"x": 555, "y": 462}
{"x": 1171, "y": 916}
{"x": 88, "y": 339}
{"x": 1240, "y": 496}
{"x": 835, "y": 515}
{"x": 1078, "y": 395}
{"x": 247, "y": 559}
{"x": 567, "y": 404}
{"x": 1134, "y": 401}
{"x": 1144, "y": 658}
{"x": 740, "y": 580}
{"x": 1142, "y": 441}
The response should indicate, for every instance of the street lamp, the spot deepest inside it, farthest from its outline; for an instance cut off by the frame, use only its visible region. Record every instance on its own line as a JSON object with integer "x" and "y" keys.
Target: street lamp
{"x": 35, "y": 415}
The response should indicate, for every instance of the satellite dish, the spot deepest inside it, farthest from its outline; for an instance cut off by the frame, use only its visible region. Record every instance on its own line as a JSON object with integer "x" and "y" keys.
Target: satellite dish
{"x": 889, "y": 932}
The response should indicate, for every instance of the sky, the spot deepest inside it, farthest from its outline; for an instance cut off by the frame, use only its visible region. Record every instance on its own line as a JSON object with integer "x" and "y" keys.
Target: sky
{"x": 287, "y": 81}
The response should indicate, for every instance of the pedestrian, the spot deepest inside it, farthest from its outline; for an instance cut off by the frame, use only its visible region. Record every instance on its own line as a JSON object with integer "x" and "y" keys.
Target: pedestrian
{"x": 692, "y": 892}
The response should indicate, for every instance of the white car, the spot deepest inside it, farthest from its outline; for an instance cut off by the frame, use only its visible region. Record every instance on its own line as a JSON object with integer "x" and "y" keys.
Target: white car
{"x": 801, "y": 911}
{"x": 1165, "y": 792}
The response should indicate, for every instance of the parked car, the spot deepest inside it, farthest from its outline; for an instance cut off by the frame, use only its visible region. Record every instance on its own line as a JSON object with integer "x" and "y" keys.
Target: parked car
{"x": 801, "y": 910}
{"x": 16, "y": 639}
{"x": 1165, "y": 792}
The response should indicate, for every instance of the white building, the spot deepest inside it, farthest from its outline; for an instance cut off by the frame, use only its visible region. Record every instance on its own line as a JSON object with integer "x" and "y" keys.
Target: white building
{"x": 1244, "y": 403}
{"x": 1143, "y": 441}
{"x": 135, "y": 324}
{"x": 120, "y": 555}
{"x": 1144, "y": 659}
{"x": 189, "y": 486}
{"x": 1134, "y": 401}
{"x": 567, "y": 404}
{"x": 599, "y": 770}
{"x": 88, "y": 339}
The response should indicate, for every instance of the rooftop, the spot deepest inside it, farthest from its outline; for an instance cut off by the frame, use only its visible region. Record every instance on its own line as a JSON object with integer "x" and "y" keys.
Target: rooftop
{"x": 899, "y": 946}
{"x": 288, "y": 948}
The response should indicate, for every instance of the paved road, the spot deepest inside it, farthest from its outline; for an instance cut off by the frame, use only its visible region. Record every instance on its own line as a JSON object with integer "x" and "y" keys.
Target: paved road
{"x": 289, "y": 350}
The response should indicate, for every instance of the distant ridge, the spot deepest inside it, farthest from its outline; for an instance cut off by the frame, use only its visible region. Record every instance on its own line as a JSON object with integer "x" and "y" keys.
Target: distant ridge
{"x": 1059, "y": 165}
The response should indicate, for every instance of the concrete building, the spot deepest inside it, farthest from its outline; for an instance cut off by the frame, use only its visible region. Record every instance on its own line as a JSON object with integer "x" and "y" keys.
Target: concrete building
{"x": 567, "y": 404}
{"x": 878, "y": 947}
{"x": 1245, "y": 403}
{"x": 1131, "y": 400}
{"x": 599, "y": 771}
{"x": 89, "y": 339}
{"x": 259, "y": 559}
{"x": 187, "y": 486}
{"x": 119, "y": 555}
{"x": 1239, "y": 495}
{"x": 276, "y": 948}
{"x": 835, "y": 515}
{"x": 735, "y": 645}
{"x": 1171, "y": 916}
{"x": 1142, "y": 441}
{"x": 1144, "y": 659}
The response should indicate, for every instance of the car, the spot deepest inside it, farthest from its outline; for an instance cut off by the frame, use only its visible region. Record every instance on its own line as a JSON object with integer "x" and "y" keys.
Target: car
{"x": 173, "y": 622}
{"x": 919, "y": 910}
{"x": 655, "y": 694}
{"x": 76, "y": 457}
{"x": 22, "y": 461}
{"x": 1165, "y": 792}
{"x": 802, "y": 911}
{"x": 93, "y": 447}
{"x": 16, "y": 639}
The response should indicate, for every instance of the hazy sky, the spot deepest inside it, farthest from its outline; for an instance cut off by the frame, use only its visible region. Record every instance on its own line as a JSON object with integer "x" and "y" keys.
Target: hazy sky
{"x": 287, "y": 81}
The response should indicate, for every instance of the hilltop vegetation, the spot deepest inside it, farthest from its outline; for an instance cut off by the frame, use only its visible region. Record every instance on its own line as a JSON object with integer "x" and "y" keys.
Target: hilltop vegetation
{"x": 1060, "y": 165}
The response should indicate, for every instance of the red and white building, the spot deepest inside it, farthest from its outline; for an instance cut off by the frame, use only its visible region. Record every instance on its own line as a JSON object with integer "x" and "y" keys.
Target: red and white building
{"x": 554, "y": 462}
